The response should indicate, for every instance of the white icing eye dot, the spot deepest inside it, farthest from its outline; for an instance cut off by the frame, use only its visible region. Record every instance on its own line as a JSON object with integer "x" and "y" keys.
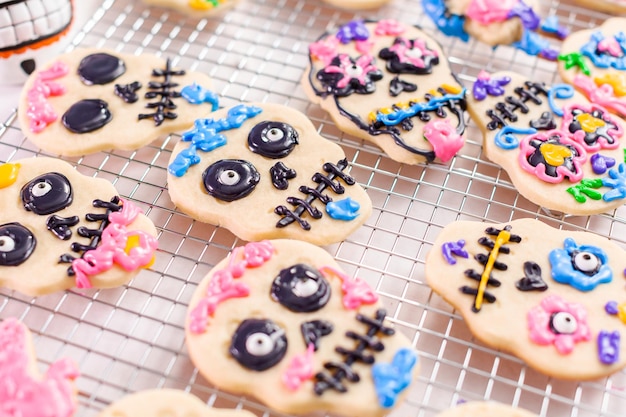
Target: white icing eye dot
{"x": 414, "y": 53}
{"x": 274, "y": 134}
{"x": 305, "y": 287}
{"x": 40, "y": 189}
{"x": 259, "y": 344}
{"x": 7, "y": 244}
{"x": 354, "y": 71}
{"x": 229, "y": 177}
{"x": 564, "y": 323}
{"x": 586, "y": 261}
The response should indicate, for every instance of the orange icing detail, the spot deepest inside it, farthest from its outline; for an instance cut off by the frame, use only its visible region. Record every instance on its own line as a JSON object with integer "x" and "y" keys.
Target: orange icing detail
{"x": 555, "y": 154}
{"x": 452, "y": 89}
{"x": 617, "y": 80}
{"x": 134, "y": 241}
{"x": 8, "y": 174}
{"x": 621, "y": 312}
{"x": 204, "y": 4}
{"x": 503, "y": 237}
{"x": 589, "y": 123}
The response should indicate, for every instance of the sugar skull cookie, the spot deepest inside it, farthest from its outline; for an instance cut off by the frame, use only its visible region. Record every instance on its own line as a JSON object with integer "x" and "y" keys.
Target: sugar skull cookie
{"x": 560, "y": 151}
{"x": 166, "y": 402}
{"x": 30, "y": 35}
{"x": 390, "y": 84}
{"x": 485, "y": 409}
{"x": 24, "y": 391}
{"x": 357, "y": 4}
{"x": 594, "y": 61}
{"x": 90, "y": 100}
{"x": 280, "y": 321}
{"x": 554, "y": 298}
{"x": 262, "y": 171}
{"x": 197, "y": 8}
{"x": 60, "y": 229}
{"x": 608, "y": 6}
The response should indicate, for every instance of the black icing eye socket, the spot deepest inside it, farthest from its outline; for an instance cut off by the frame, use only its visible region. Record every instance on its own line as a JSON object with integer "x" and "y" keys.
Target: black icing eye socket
{"x": 586, "y": 262}
{"x": 272, "y": 139}
{"x": 563, "y": 323}
{"x": 46, "y": 194}
{"x": 258, "y": 344}
{"x": 230, "y": 179}
{"x": 100, "y": 68}
{"x": 16, "y": 244}
{"x": 301, "y": 289}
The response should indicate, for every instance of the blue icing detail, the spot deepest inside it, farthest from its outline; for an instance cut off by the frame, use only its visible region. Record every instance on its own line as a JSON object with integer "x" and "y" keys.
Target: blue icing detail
{"x": 617, "y": 181}
{"x": 605, "y": 60}
{"x": 396, "y": 117}
{"x": 504, "y": 138}
{"x": 449, "y": 24}
{"x": 583, "y": 267}
{"x": 551, "y": 25}
{"x": 561, "y": 91}
{"x": 205, "y": 137}
{"x": 533, "y": 44}
{"x": 608, "y": 346}
{"x": 346, "y": 209}
{"x": 196, "y": 94}
{"x": 390, "y": 379}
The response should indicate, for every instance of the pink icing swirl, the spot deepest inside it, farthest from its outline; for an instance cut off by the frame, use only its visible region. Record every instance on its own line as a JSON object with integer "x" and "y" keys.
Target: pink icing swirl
{"x": 357, "y": 71}
{"x": 130, "y": 249}
{"x": 39, "y": 111}
{"x": 299, "y": 370}
{"x": 223, "y": 286}
{"x": 443, "y": 137}
{"x": 603, "y": 96}
{"x": 389, "y": 27}
{"x": 610, "y": 46}
{"x": 489, "y": 11}
{"x": 356, "y": 292}
{"x": 324, "y": 49}
{"x": 22, "y": 395}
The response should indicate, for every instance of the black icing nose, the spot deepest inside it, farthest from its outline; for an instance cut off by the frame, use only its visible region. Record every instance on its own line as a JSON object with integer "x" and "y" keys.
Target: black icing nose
{"x": 28, "y": 66}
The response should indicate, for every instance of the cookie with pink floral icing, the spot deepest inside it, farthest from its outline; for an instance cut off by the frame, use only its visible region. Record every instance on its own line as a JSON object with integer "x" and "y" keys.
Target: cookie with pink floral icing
{"x": 24, "y": 391}
{"x": 391, "y": 84}
{"x": 60, "y": 229}
{"x": 485, "y": 409}
{"x": 196, "y": 8}
{"x": 89, "y": 100}
{"x": 166, "y": 402}
{"x": 554, "y": 298}
{"x": 279, "y": 320}
{"x": 560, "y": 151}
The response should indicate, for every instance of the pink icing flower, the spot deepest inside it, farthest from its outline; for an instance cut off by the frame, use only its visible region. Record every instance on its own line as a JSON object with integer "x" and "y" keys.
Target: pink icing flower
{"x": 489, "y": 11}
{"x": 412, "y": 52}
{"x": 389, "y": 27}
{"x": 443, "y": 137}
{"x": 558, "y": 322}
{"x": 358, "y": 70}
{"x": 300, "y": 369}
{"x": 325, "y": 49}
{"x": 39, "y": 110}
{"x": 356, "y": 292}
{"x": 23, "y": 395}
{"x": 592, "y": 127}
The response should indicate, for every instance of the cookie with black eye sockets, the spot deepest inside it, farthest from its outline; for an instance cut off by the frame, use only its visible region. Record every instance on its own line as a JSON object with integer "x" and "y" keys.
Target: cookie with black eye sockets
{"x": 60, "y": 229}
{"x": 485, "y": 409}
{"x": 262, "y": 171}
{"x": 280, "y": 321}
{"x": 90, "y": 100}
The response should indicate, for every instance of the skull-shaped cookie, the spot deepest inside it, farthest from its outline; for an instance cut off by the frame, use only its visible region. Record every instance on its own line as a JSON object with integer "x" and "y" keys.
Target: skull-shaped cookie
{"x": 554, "y": 298}
{"x": 30, "y": 35}
{"x": 60, "y": 229}
{"x": 485, "y": 409}
{"x": 262, "y": 171}
{"x": 594, "y": 61}
{"x": 166, "y": 402}
{"x": 389, "y": 84}
{"x": 561, "y": 151}
{"x": 197, "y": 8}
{"x": 280, "y": 321}
{"x": 91, "y": 99}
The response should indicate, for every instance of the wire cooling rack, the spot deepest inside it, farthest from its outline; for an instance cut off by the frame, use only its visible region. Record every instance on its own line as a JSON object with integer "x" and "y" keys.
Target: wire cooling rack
{"x": 131, "y": 338}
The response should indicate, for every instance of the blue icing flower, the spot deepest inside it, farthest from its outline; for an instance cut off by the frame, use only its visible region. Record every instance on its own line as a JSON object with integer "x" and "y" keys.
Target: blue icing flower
{"x": 583, "y": 267}
{"x": 450, "y": 24}
{"x": 603, "y": 58}
{"x": 196, "y": 94}
{"x": 617, "y": 181}
{"x": 390, "y": 379}
{"x": 346, "y": 209}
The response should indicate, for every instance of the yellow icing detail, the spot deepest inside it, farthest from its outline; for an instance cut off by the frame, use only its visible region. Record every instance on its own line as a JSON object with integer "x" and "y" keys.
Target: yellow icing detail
{"x": 8, "y": 174}
{"x": 503, "y": 237}
{"x": 131, "y": 242}
{"x": 203, "y": 4}
{"x": 434, "y": 93}
{"x": 451, "y": 88}
{"x": 589, "y": 123}
{"x": 621, "y": 312}
{"x": 555, "y": 154}
{"x": 617, "y": 80}
{"x": 372, "y": 116}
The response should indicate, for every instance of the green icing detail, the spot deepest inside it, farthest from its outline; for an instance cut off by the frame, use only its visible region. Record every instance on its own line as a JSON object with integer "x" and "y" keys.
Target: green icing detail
{"x": 586, "y": 188}
{"x": 575, "y": 59}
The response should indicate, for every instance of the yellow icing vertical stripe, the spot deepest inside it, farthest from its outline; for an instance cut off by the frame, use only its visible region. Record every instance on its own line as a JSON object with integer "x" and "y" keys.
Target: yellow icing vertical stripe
{"x": 503, "y": 237}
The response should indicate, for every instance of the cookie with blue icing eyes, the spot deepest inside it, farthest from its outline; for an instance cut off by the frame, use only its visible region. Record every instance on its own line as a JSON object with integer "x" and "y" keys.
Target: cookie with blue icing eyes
{"x": 60, "y": 229}
{"x": 280, "y": 321}
{"x": 554, "y": 298}
{"x": 90, "y": 100}
{"x": 390, "y": 84}
{"x": 262, "y": 171}
{"x": 561, "y": 151}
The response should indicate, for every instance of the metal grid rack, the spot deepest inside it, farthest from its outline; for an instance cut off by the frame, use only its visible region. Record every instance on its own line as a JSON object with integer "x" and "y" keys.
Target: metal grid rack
{"x": 131, "y": 338}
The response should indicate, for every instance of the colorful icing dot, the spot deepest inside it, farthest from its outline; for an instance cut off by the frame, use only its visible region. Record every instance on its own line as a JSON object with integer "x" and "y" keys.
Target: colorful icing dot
{"x": 346, "y": 209}
{"x": 600, "y": 163}
{"x": 8, "y": 174}
{"x": 608, "y": 346}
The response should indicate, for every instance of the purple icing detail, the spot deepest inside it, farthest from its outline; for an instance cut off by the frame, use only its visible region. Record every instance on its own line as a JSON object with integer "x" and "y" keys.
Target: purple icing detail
{"x": 551, "y": 25}
{"x": 600, "y": 163}
{"x": 608, "y": 346}
{"x": 611, "y": 308}
{"x": 550, "y": 54}
{"x": 485, "y": 85}
{"x": 527, "y": 15}
{"x": 353, "y": 31}
{"x": 453, "y": 248}
{"x": 533, "y": 44}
